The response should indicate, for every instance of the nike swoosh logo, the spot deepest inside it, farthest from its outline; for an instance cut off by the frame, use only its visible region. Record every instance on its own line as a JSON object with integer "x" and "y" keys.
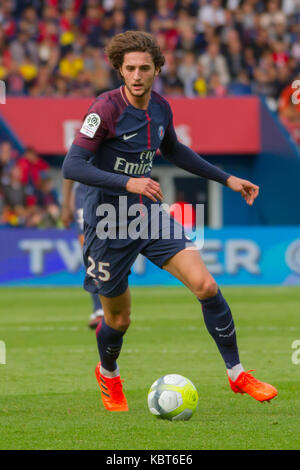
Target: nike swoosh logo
{"x": 126, "y": 137}
{"x": 222, "y": 329}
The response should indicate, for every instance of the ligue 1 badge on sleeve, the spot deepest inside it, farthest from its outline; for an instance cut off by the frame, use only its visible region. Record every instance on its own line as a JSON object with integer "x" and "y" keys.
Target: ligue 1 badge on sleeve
{"x": 91, "y": 124}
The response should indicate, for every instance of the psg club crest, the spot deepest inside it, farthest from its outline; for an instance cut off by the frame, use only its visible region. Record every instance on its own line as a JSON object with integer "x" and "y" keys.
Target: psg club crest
{"x": 161, "y": 132}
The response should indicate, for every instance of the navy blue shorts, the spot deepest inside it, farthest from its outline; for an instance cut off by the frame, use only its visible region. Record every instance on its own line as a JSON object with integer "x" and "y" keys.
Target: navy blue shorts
{"x": 108, "y": 262}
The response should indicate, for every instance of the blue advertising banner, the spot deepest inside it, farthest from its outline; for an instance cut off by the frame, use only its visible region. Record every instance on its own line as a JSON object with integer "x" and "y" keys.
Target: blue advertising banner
{"x": 234, "y": 256}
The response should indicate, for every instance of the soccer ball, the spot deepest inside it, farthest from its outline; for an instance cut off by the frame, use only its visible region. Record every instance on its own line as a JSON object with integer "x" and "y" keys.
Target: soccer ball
{"x": 173, "y": 397}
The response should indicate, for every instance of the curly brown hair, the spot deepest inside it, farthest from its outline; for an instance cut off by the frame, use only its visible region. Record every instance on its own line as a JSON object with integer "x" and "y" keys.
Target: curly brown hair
{"x": 133, "y": 41}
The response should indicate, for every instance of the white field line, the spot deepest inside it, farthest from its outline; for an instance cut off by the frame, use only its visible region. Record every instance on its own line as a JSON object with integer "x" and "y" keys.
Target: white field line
{"x": 145, "y": 328}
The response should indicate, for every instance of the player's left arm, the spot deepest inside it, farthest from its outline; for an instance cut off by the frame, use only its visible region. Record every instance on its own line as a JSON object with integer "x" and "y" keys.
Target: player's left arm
{"x": 183, "y": 157}
{"x": 248, "y": 190}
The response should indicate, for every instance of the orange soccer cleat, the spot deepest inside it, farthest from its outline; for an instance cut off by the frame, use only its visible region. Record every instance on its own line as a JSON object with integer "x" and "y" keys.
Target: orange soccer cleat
{"x": 246, "y": 383}
{"x": 112, "y": 394}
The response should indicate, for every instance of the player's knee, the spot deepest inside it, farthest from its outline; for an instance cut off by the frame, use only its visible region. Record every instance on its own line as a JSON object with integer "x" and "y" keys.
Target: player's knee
{"x": 205, "y": 288}
{"x": 122, "y": 321}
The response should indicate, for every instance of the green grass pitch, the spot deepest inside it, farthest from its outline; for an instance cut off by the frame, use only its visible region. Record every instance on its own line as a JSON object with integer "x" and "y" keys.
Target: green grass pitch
{"x": 49, "y": 397}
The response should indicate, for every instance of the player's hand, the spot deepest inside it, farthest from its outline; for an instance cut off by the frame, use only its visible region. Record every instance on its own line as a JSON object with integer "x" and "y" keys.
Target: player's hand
{"x": 146, "y": 187}
{"x": 66, "y": 216}
{"x": 248, "y": 190}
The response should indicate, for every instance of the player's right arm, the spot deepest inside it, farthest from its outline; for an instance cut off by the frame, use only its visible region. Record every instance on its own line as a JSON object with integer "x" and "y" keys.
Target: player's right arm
{"x": 77, "y": 167}
{"x": 93, "y": 132}
{"x": 95, "y": 129}
{"x": 145, "y": 186}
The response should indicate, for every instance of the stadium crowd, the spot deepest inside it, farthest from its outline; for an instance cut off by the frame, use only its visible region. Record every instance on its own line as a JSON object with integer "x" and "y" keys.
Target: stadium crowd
{"x": 27, "y": 195}
{"x": 212, "y": 48}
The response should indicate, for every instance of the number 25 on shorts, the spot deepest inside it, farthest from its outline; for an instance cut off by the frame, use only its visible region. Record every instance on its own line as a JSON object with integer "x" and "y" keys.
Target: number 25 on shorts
{"x": 104, "y": 274}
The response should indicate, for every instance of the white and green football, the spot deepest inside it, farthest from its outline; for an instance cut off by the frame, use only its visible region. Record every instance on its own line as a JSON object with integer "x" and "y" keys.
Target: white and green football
{"x": 173, "y": 397}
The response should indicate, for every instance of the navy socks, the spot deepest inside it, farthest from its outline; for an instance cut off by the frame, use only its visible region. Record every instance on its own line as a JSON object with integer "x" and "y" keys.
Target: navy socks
{"x": 109, "y": 343}
{"x": 219, "y": 323}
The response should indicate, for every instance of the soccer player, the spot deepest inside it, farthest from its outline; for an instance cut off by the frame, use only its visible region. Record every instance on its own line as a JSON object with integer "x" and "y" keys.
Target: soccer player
{"x": 72, "y": 205}
{"x": 112, "y": 153}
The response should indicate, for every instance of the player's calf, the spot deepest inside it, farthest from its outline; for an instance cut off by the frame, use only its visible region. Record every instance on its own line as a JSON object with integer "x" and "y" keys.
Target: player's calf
{"x": 219, "y": 323}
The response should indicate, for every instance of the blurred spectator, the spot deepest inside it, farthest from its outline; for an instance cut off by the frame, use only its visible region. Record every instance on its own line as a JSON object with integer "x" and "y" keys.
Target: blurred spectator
{"x": 7, "y": 161}
{"x": 187, "y": 40}
{"x": 234, "y": 54}
{"x": 91, "y": 25}
{"x": 47, "y": 202}
{"x": 241, "y": 85}
{"x": 173, "y": 86}
{"x": 200, "y": 83}
{"x": 119, "y": 23}
{"x": 29, "y": 71}
{"x": 14, "y": 198}
{"x": 70, "y": 65}
{"x": 272, "y": 17}
{"x": 48, "y": 53}
{"x": 283, "y": 79}
{"x": 30, "y": 21}
{"x": 216, "y": 87}
{"x": 26, "y": 190}
{"x": 213, "y": 61}
{"x": 264, "y": 84}
{"x": 42, "y": 83}
{"x": 212, "y": 13}
{"x": 280, "y": 53}
{"x": 61, "y": 86}
{"x": 23, "y": 47}
{"x": 261, "y": 41}
{"x": 248, "y": 19}
{"x": 15, "y": 83}
{"x": 187, "y": 72}
{"x": 31, "y": 167}
{"x": 6, "y": 18}
{"x": 140, "y": 20}
{"x": 164, "y": 22}
{"x": 55, "y": 48}
{"x": 100, "y": 73}
{"x": 250, "y": 61}
{"x": 83, "y": 85}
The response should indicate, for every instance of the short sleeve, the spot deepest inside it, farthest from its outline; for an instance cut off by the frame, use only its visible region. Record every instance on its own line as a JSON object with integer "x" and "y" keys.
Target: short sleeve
{"x": 96, "y": 126}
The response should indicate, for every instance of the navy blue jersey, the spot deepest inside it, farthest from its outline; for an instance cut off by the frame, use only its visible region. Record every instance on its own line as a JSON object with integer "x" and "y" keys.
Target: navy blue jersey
{"x": 118, "y": 141}
{"x": 123, "y": 140}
